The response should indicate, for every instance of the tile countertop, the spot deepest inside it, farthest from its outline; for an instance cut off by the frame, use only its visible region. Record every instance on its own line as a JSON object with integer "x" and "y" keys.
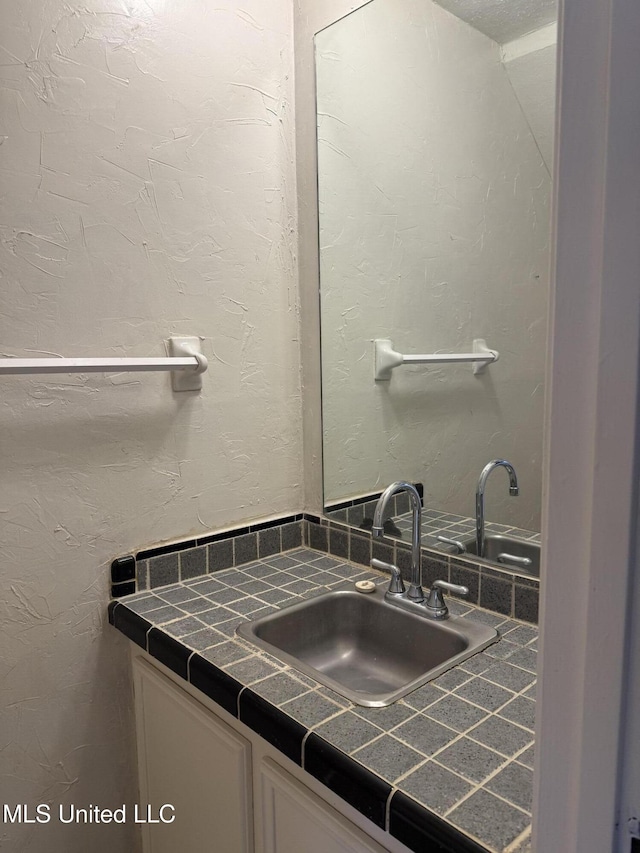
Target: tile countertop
{"x": 449, "y": 763}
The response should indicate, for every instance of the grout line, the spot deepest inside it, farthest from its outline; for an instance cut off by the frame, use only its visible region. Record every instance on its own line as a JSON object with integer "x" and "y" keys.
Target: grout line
{"x": 303, "y": 749}
{"x": 482, "y": 785}
{"x": 502, "y": 754}
{"x": 403, "y": 776}
{"x": 238, "y": 701}
{"x": 521, "y": 752}
{"x": 189, "y": 666}
{"x": 516, "y": 844}
{"x": 387, "y": 808}
{"x": 459, "y": 736}
{"x": 497, "y": 684}
{"x": 314, "y": 726}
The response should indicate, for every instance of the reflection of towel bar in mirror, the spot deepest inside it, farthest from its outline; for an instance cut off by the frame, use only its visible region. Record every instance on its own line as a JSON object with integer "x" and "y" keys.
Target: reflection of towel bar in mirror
{"x": 386, "y": 358}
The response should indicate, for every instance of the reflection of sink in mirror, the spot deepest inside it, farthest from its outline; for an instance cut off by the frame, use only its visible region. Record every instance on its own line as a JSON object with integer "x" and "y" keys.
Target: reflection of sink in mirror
{"x": 434, "y": 190}
{"x": 364, "y": 648}
{"x": 508, "y": 552}
{"x": 458, "y": 528}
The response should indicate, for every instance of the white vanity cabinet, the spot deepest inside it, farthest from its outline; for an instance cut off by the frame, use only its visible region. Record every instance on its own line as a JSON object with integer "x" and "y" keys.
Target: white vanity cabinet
{"x": 232, "y": 792}
{"x": 191, "y": 760}
{"x": 294, "y": 819}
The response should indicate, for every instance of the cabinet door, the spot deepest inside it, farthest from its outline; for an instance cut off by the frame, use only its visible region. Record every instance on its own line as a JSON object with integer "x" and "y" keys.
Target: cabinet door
{"x": 294, "y": 819}
{"x": 195, "y": 762}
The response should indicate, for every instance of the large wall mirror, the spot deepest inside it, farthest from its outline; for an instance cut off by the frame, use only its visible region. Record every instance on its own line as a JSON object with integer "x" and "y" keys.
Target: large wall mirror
{"x": 435, "y": 129}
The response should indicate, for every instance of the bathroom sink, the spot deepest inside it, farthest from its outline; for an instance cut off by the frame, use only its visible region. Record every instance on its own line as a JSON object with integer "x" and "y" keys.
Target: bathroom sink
{"x": 364, "y": 648}
{"x": 498, "y": 548}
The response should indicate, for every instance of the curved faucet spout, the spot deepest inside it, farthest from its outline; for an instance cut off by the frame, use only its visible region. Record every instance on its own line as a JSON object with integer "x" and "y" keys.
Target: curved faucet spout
{"x": 482, "y": 483}
{"x": 415, "y": 588}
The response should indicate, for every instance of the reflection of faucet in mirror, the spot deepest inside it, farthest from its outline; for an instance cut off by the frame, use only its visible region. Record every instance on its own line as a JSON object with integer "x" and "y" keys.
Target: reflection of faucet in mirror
{"x": 482, "y": 483}
{"x": 415, "y": 589}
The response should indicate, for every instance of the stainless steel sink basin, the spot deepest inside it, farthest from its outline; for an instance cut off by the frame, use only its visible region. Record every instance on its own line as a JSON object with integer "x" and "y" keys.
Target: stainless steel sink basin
{"x": 363, "y": 647}
{"x": 499, "y": 549}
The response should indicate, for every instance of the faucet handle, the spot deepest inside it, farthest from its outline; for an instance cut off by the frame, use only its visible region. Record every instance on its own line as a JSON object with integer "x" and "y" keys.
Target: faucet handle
{"x": 503, "y": 557}
{"x": 453, "y": 542}
{"x": 435, "y": 602}
{"x": 396, "y": 586}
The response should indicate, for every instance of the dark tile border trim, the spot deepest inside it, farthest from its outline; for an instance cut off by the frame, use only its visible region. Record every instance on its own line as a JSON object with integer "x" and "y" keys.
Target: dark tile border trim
{"x": 161, "y": 550}
{"x": 220, "y": 537}
{"x": 373, "y": 496}
{"x": 120, "y": 589}
{"x": 131, "y": 624}
{"x": 272, "y": 724}
{"x": 347, "y": 504}
{"x": 274, "y": 522}
{"x": 250, "y": 528}
{"x": 168, "y": 651}
{"x": 425, "y": 832}
{"x": 123, "y": 569}
{"x": 352, "y": 782}
{"x": 214, "y": 683}
{"x": 110, "y": 611}
{"x": 207, "y": 538}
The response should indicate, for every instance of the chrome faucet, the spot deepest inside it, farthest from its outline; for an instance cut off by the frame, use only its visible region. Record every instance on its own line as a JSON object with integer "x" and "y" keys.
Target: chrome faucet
{"x": 415, "y": 592}
{"x": 482, "y": 482}
{"x": 436, "y": 604}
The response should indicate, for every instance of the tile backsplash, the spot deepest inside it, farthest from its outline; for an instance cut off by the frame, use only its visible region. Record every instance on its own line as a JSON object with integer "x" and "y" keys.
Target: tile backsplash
{"x": 188, "y": 558}
{"x": 504, "y": 592}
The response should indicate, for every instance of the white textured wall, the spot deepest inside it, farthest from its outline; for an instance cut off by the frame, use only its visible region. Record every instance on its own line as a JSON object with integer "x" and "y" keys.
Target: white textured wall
{"x": 147, "y": 189}
{"x": 434, "y": 231}
{"x": 530, "y": 63}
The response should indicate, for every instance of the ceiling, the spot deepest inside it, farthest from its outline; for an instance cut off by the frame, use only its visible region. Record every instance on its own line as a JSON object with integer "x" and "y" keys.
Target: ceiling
{"x": 503, "y": 20}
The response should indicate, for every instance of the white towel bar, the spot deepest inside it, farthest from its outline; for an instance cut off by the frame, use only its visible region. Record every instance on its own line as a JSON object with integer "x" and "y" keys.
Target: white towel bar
{"x": 186, "y": 364}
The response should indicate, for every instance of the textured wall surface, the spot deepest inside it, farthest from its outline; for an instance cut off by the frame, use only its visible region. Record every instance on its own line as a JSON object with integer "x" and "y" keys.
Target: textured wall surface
{"x": 533, "y": 77}
{"x": 147, "y": 189}
{"x": 434, "y": 203}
